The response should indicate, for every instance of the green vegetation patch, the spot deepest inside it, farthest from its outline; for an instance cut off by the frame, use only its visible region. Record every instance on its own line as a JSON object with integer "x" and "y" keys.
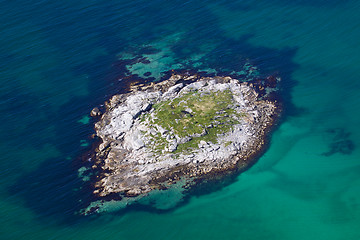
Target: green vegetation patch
{"x": 198, "y": 115}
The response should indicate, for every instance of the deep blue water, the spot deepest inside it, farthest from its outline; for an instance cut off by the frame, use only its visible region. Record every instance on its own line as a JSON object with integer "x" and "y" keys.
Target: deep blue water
{"x": 60, "y": 59}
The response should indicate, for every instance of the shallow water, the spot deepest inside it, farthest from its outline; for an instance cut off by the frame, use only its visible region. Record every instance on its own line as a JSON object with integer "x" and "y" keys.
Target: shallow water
{"x": 58, "y": 60}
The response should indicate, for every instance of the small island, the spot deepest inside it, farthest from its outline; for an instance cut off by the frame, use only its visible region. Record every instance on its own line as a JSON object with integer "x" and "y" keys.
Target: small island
{"x": 181, "y": 129}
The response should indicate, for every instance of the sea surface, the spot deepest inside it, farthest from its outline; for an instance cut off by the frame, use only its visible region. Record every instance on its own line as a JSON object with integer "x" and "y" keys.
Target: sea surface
{"x": 59, "y": 59}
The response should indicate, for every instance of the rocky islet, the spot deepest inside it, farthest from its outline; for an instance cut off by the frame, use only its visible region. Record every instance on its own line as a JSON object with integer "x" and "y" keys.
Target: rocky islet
{"x": 184, "y": 128}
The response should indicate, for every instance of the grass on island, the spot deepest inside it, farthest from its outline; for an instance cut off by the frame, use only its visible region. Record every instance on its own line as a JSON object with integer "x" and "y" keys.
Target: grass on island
{"x": 200, "y": 115}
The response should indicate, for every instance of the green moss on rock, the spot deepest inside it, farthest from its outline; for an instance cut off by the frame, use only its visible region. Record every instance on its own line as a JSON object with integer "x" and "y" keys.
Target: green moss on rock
{"x": 196, "y": 116}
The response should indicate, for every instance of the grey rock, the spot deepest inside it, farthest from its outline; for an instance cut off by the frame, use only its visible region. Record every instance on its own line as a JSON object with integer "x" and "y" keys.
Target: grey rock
{"x": 95, "y": 112}
{"x": 134, "y": 161}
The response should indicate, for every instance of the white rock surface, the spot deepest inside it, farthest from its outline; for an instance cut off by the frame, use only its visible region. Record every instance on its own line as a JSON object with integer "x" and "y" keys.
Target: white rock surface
{"x": 136, "y": 168}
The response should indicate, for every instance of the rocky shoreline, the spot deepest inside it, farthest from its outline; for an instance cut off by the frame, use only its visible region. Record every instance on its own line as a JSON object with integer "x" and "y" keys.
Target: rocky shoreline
{"x": 183, "y": 129}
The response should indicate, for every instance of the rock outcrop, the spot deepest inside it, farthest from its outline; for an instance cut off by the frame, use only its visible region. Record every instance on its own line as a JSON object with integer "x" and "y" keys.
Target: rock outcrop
{"x": 186, "y": 127}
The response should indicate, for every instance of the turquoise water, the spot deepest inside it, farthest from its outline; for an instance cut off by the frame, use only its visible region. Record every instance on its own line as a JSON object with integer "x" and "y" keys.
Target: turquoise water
{"x": 60, "y": 59}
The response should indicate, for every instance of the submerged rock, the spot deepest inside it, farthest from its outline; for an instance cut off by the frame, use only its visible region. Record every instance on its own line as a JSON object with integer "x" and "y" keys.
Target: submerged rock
{"x": 179, "y": 130}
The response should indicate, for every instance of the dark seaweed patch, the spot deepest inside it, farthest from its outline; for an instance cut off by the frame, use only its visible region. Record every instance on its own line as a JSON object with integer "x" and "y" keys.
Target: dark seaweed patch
{"x": 340, "y": 142}
{"x": 147, "y": 74}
